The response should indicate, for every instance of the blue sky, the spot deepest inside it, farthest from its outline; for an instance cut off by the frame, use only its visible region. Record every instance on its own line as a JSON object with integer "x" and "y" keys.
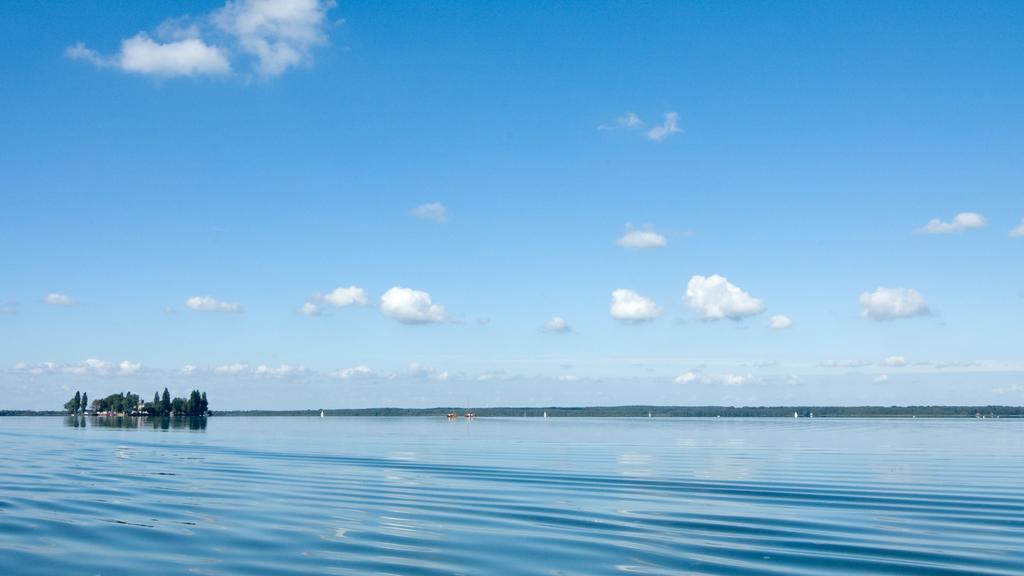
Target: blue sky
{"x": 769, "y": 160}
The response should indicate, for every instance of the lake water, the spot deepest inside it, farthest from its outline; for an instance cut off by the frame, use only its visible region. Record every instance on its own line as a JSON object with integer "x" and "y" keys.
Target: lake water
{"x": 512, "y": 496}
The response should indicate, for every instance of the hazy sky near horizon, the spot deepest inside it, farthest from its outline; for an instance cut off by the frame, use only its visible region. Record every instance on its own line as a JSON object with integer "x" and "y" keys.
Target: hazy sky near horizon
{"x": 302, "y": 204}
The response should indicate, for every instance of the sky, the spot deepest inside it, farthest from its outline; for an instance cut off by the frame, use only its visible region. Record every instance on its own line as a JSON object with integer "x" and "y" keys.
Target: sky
{"x": 308, "y": 204}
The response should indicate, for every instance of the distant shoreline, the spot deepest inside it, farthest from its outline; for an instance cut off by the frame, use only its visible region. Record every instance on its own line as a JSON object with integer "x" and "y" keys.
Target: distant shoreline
{"x": 638, "y": 411}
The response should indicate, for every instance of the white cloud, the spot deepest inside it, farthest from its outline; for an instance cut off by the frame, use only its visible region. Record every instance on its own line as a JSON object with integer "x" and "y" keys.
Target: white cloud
{"x": 881, "y": 378}
{"x": 278, "y": 372}
{"x": 568, "y": 378}
{"x": 432, "y": 211}
{"x": 666, "y": 129}
{"x": 141, "y": 54}
{"x": 557, "y": 325}
{"x": 351, "y": 296}
{"x": 724, "y": 379}
{"x": 211, "y": 304}
{"x": 280, "y": 34}
{"x": 277, "y": 34}
{"x": 421, "y": 372}
{"x": 961, "y": 222}
{"x": 845, "y": 364}
{"x": 99, "y": 366}
{"x": 779, "y": 322}
{"x": 340, "y": 297}
{"x": 236, "y": 368}
{"x": 641, "y": 238}
{"x": 714, "y": 298}
{"x": 89, "y": 366}
{"x": 8, "y": 308}
{"x": 54, "y": 299}
{"x": 1018, "y": 232}
{"x": 893, "y": 303}
{"x": 354, "y": 373}
{"x": 735, "y": 379}
{"x": 895, "y": 361}
{"x": 188, "y": 370}
{"x": 629, "y": 306}
{"x": 35, "y": 369}
{"x": 128, "y": 368}
{"x": 628, "y": 121}
{"x": 411, "y": 307}
{"x": 687, "y": 377}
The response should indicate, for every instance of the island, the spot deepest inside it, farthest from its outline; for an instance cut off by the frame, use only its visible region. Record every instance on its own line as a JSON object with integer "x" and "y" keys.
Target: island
{"x": 128, "y": 404}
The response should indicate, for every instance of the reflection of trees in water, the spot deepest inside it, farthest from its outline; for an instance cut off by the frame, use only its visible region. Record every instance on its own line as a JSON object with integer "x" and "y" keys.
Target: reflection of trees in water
{"x": 138, "y": 422}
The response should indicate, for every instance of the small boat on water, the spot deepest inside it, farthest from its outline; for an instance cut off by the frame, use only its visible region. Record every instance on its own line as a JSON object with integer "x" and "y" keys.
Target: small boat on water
{"x": 321, "y": 413}
{"x": 452, "y": 415}
{"x": 470, "y": 415}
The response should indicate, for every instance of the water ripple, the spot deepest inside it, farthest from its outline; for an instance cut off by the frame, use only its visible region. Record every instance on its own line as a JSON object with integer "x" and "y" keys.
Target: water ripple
{"x": 516, "y": 496}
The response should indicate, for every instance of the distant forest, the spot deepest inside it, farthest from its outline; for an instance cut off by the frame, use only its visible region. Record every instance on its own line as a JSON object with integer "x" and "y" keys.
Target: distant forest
{"x": 191, "y": 406}
{"x": 671, "y": 412}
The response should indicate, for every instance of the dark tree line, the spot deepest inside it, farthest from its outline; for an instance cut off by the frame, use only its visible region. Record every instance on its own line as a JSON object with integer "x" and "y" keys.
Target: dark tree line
{"x": 128, "y": 403}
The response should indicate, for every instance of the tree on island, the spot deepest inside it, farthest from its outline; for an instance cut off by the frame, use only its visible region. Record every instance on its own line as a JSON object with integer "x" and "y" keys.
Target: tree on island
{"x": 84, "y": 404}
{"x": 74, "y": 404}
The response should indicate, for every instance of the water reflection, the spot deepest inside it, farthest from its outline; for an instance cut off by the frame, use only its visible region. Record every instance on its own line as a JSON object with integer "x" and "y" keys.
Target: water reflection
{"x": 138, "y": 422}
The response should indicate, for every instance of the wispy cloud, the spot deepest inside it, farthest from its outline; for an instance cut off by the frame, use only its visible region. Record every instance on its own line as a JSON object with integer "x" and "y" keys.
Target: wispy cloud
{"x": 359, "y": 372}
{"x": 724, "y": 379}
{"x": 418, "y": 371}
{"x": 1018, "y": 232}
{"x": 557, "y": 325}
{"x": 895, "y": 362}
{"x": 779, "y": 322}
{"x": 211, "y": 304}
{"x": 630, "y": 121}
{"x": 667, "y": 128}
{"x": 340, "y": 297}
{"x": 87, "y": 367}
{"x": 55, "y": 299}
{"x": 434, "y": 211}
{"x": 236, "y": 368}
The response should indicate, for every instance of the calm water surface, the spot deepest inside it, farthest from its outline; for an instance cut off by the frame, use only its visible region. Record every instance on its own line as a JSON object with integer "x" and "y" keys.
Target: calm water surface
{"x": 512, "y": 496}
